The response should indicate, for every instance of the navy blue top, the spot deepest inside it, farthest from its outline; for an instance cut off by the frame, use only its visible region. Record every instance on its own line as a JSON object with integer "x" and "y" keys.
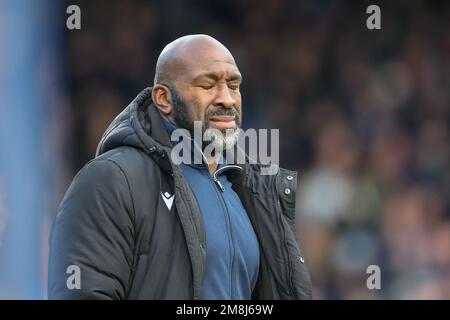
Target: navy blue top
{"x": 232, "y": 250}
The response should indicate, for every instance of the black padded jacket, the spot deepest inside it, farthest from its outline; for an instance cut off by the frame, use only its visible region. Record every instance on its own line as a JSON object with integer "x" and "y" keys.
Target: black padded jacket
{"x": 114, "y": 226}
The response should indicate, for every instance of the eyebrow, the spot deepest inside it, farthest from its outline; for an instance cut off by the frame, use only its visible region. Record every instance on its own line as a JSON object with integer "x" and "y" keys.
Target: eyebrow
{"x": 214, "y": 76}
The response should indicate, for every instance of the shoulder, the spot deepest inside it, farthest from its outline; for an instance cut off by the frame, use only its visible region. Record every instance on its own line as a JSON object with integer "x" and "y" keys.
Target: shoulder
{"x": 123, "y": 157}
{"x": 118, "y": 168}
{"x": 133, "y": 163}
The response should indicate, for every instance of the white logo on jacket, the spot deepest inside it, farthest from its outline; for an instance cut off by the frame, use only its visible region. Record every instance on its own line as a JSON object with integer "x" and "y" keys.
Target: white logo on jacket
{"x": 168, "y": 199}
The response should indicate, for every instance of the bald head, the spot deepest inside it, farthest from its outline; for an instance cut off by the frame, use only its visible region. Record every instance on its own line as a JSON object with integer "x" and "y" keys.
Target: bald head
{"x": 185, "y": 53}
{"x": 197, "y": 79}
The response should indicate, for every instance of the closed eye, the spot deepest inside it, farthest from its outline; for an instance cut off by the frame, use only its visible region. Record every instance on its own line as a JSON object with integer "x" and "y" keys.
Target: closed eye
{"x": 233, "y": 86}
{"x": 207, "y": 87}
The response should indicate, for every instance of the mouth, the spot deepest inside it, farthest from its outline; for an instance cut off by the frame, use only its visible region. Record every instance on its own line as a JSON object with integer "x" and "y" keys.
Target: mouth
{"x": 223, "y": 122}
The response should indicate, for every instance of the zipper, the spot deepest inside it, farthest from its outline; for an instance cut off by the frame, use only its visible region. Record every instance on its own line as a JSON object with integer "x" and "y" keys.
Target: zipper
{"x": 218, "y": 171}
{"x": 219, "y": 184}
{"x": 228, "y": 219}
{"x": 215, "y": 181}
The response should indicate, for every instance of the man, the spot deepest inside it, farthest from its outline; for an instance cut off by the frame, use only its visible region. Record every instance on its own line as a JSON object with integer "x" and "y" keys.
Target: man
{"x": 135, "y": 225}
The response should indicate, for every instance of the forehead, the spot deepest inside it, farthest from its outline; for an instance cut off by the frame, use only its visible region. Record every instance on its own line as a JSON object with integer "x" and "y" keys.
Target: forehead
{"x": 212, "y": 60}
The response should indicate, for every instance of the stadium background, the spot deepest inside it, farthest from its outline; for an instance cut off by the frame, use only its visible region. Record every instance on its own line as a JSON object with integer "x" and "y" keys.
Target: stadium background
{"x": 363, "y": 115}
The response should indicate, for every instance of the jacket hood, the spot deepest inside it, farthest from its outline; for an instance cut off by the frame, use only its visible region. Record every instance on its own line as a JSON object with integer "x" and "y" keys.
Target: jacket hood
{"x": 139, "y": 126}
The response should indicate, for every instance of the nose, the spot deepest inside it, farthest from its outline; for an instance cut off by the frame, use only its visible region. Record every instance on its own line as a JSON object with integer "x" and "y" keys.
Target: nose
{"x": 224, "y": 98}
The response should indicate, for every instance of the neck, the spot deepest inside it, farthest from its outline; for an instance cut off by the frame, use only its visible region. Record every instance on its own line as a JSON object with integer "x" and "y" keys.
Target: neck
{"x": 212, "y": 168}
{"x": 213, "y": 163}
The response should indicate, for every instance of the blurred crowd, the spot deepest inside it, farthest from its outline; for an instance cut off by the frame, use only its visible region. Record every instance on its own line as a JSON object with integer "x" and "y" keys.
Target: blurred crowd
{"x": 364, "y": 116}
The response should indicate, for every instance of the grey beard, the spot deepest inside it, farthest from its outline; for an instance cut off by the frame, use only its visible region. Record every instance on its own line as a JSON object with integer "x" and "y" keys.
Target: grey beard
{"x": 220, "y": 142}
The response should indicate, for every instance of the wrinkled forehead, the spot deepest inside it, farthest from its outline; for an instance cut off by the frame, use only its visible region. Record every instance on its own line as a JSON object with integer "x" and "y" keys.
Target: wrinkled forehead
{"x": 207, "y": 59}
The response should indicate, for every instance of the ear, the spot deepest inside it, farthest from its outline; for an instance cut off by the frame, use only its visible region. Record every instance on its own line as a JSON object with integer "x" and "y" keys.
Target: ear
{"x": 162, "y": 98}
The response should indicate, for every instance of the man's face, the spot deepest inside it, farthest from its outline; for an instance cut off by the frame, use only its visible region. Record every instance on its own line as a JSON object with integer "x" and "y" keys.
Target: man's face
{"x": 209, "y": 92}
